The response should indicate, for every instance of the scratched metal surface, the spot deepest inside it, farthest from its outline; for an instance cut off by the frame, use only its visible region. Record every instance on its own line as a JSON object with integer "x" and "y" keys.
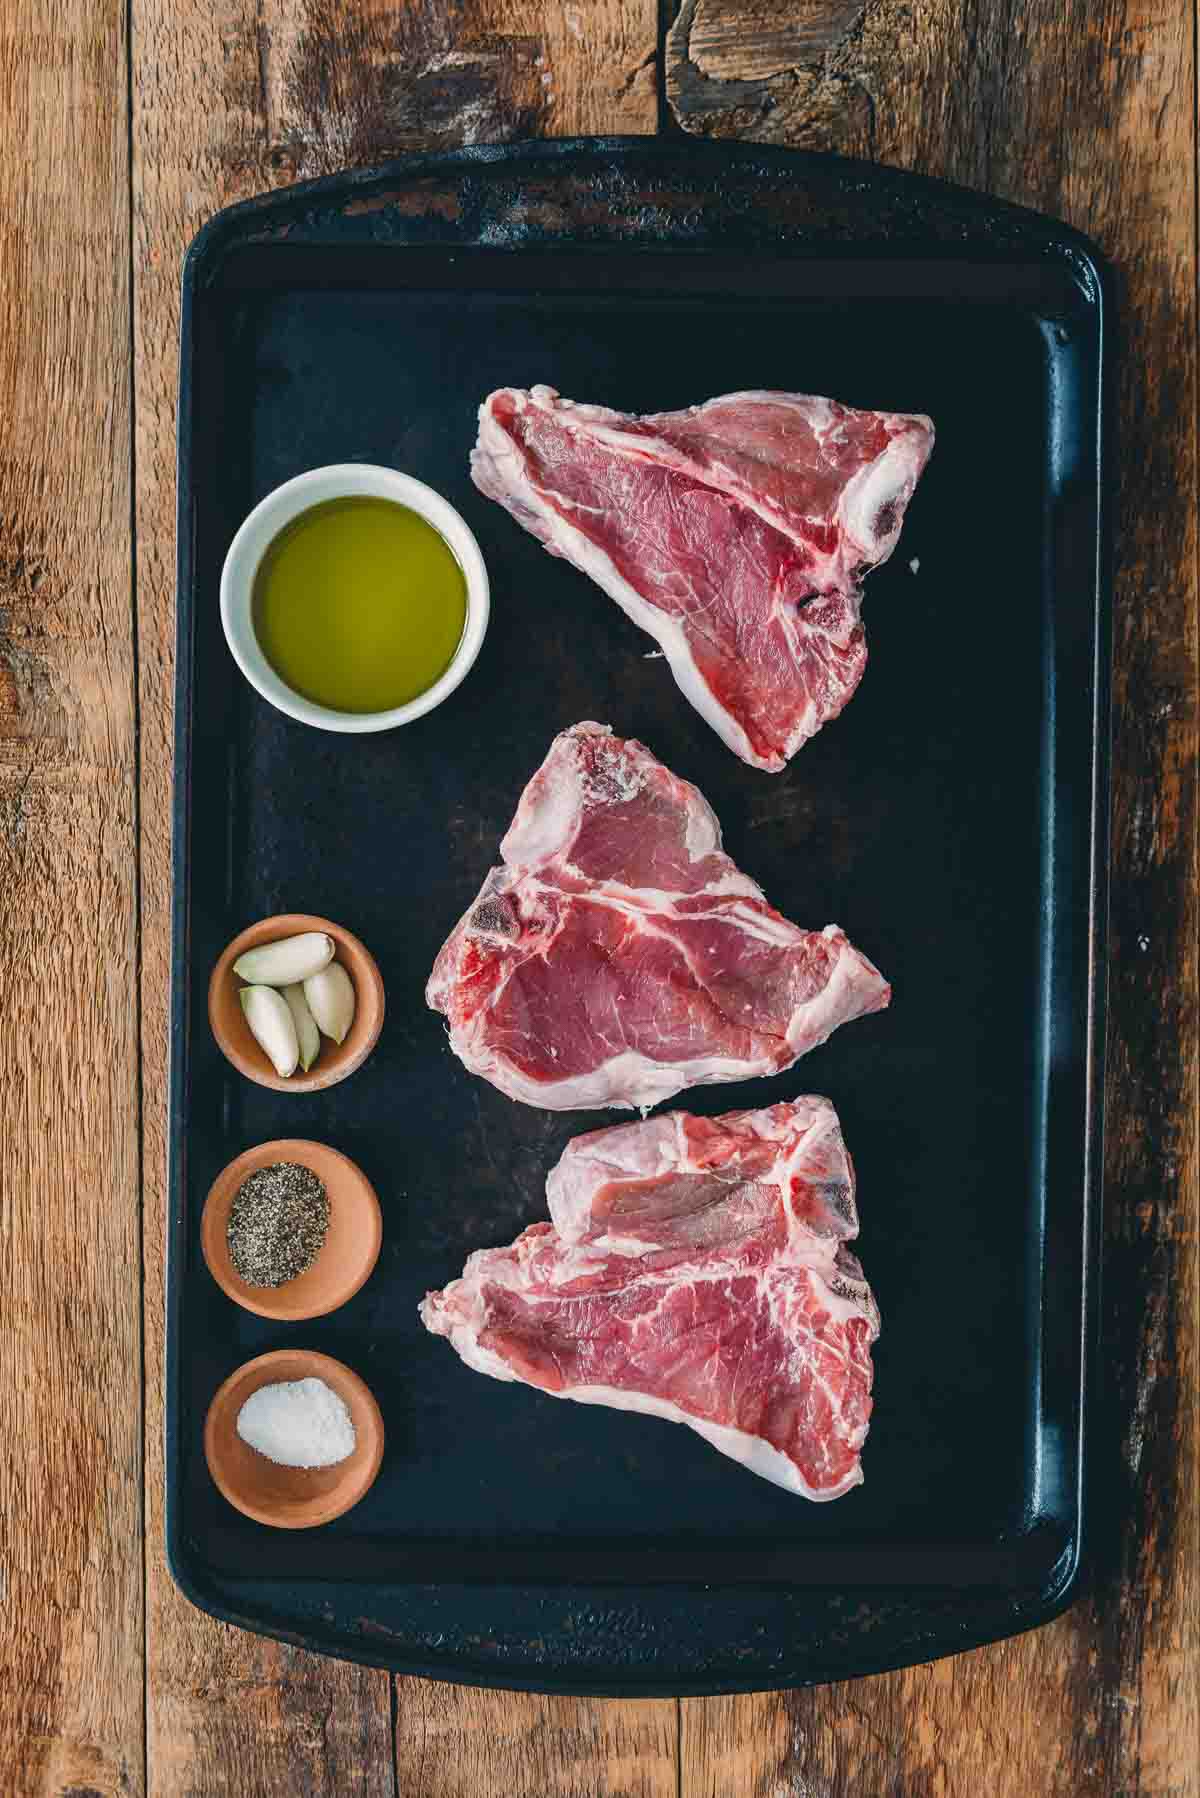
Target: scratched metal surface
{"x": 951, "y": 822}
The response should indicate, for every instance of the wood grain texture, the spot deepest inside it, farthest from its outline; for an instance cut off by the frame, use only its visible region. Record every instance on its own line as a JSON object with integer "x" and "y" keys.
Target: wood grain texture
{"x": 312, "y": 86}
{"x": 70, "y": 1324}
{"x": 226, "y": 103}
{"x": 453, "y": 1742}
{"x": 233, "y": 1713}
{"x": 1087, "y": 112}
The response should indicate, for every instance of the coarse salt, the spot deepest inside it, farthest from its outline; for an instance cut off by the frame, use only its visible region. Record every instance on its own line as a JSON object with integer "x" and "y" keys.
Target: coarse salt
{"x": 297, "y": 1423}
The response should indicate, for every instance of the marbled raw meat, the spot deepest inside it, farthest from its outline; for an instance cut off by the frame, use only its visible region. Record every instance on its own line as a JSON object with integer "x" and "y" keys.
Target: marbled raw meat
{"x": 697, "y": 1269}
{"x": 737, "y": 533}
{"x": 618, "y": 955}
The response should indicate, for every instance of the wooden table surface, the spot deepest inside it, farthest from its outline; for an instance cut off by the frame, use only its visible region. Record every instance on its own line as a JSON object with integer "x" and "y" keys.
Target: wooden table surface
{"x": 122, "y": 127}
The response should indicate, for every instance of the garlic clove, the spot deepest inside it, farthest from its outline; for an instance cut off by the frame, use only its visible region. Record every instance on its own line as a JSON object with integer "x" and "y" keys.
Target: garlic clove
{"x": 330, "y": 996}
{"x": 271, "y": 1026}
{"x": 307, "y": 1034}
{"x": 286, "y": 961}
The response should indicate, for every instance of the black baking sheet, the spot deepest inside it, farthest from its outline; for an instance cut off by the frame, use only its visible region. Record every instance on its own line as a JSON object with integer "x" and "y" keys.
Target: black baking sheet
{"x": 952, "y": 822}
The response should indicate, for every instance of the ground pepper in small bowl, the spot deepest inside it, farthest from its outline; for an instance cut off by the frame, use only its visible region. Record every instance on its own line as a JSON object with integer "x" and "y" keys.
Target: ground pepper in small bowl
{"x": 291, "y": 1229}
{"x": 277, "y": 1223}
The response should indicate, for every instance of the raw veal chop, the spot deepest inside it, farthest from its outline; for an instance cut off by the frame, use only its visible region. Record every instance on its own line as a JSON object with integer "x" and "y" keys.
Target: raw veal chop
{"x": 736, "y": 533}
{"x": 695, "y": 1268}
{"x": 619, "y": 955}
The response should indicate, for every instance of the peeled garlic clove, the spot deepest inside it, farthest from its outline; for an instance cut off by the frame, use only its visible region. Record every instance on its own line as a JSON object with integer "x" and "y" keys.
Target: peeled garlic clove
{"x": 330, "y": 996}
{"x": 307, "y": 1034}
{"x": 287, "y": 961}
{"x": 271, "y": 1027}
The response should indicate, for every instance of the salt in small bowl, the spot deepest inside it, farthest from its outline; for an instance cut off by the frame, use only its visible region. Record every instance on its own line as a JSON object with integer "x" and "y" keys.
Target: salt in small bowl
{"x": 291, "y": 1498}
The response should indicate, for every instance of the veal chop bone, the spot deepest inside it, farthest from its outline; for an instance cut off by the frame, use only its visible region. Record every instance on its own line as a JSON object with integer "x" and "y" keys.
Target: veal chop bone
{"x": 736, "y": 533}
{"x": 696, "y": 1268}
{"x": 619, "y": 955}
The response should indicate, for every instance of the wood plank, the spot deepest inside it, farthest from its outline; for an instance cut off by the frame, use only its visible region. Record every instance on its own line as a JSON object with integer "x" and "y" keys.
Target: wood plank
{"x": 1086, "y": 112}
{"x": 228, "y": 103}
{"x": 70, "y": 1312}
{"x": 452, "y": 1742}
{"x": 238, "y": 1714}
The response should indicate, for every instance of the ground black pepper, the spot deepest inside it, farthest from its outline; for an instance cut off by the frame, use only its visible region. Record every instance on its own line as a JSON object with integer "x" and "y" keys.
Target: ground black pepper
{"x": 277, "y": 1223}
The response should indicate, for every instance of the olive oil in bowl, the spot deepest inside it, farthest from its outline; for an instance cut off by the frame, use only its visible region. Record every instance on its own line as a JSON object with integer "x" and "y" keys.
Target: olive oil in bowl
{"x": 359, "y": 604}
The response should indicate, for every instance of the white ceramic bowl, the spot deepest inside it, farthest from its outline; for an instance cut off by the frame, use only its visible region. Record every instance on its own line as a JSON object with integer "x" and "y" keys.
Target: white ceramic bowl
{"x": 340, "y": 481}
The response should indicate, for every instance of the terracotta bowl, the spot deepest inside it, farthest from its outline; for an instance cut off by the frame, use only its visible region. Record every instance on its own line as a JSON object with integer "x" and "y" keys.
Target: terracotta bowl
{"x": 347, "y": 1256}
{"x": 291, "y": 1498}
{"x": 336, "y": 1060}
